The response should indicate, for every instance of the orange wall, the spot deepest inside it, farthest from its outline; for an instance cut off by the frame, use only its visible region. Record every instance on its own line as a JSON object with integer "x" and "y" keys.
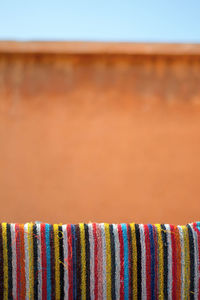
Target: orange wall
{"x": 101, "y": 137}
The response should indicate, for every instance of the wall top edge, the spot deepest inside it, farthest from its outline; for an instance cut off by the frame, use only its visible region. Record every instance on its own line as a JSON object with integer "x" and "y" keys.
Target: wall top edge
{"x": 109, "y": 48}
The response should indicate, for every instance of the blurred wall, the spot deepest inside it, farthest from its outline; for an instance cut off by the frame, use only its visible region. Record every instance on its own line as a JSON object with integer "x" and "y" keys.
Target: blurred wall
{"x": 100, "y": 135}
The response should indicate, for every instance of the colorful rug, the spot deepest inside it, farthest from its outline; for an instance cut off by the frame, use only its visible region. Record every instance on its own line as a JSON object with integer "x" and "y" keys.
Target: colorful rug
{"x": 99, "y": 261}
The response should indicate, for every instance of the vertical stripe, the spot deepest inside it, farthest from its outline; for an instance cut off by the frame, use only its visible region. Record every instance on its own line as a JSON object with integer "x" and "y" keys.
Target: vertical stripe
{"x": 53, "y": 294}
{"x": 70, "y": 262}
{"x": 39, "y": 261}
{"x": 165, "y": 254}
{"x": 198, "y": 254}
{"x": 113, "y": 263}
{"x": 83, "y": 260}
{"x": 57, "y": 262}
{"x": 74, "y": 261}
{"x": 152, "y": 272}
{"x": 5, "y": 261}
{"x": 14, "y": 268}
{"x": 65, "y": 248}
{"x": 117, "y": 261}
{"x": 48, "y": 260}
{"x": 108, "y": 260}
{"x": 104, "y": 279}
{"x": 160, "y": 263}
{"x": 100, "y": 262}
{"x": 61, "y": 261}
{"x": 178, "y": 262}
{"x": 31, "y": 261}
{"x": 44, "y": 261}
{"x": 26, "y": 236}
{"x": 195, "y": 263}
{"x": 91, "y": 242}
{"x": 87, "y": 256}
{"x": 139, "y": 266}
{"x": 134, "y": 250}
{"x": 96, "y": 259}
{"x": 148, "y": 262}
{"x": 1, "y": 264}
{"x": 187, "y": 263}
{"x": 78, "y": 262}
{"x": 121, "y": 243}
{"x": 130, "y": 250}
{"x": 143, "y": 248}
{"x": 126, "y": 262}
{"x": 169, "y": 261}
{"x": 9, "y": 246}
{"x": 35, "y": 254}
{"x": 192, "y": 266}
{"x": 182, "y": 261}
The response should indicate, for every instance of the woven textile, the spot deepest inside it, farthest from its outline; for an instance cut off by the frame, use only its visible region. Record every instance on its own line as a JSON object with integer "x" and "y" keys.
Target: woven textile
{"x": 99, "y": 261}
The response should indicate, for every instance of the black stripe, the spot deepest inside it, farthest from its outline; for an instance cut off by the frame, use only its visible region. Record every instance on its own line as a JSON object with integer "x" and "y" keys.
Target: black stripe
{"x": 87, "y": 254}
{"x": 192, "y": 270}
{"x": 113, "y": 265}
{"x": 139, "y": 267}
{"x": 35, "y": 261}
{"x": 1, "y": 264}
{"x": 131, "y": 263}
{"x": 165, "y": 254}
{"x": 61, "y": 257}
{"x": 78, "y": 262}
{"x": 52, "y": 262}
{"x": 9, "y": 246}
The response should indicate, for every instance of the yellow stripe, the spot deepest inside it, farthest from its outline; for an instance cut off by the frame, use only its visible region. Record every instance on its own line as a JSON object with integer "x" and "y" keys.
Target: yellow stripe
{"x": 83, "y": 260}
{"x": 108, "y": 260}
{"x": 57, "y": 263}
{"x": 160, "y": 264}
{"x": 134, "y": 251}
{"x": 187, "y": 263}
{"x": 30, "y": 252}
{"x": 5, "y": 260}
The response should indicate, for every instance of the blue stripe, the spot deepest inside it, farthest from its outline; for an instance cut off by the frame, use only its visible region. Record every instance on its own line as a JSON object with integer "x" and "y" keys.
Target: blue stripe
{"x": 74, "y": 260}
{"x": 126, "y": 259}
{"x": 48, "y": 256}
{"x": 198, "y": 226}
{"x": 152, "y": 248}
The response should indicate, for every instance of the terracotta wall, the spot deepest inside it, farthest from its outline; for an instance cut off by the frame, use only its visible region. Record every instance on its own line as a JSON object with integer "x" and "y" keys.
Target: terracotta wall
{"x": 109, "y": 137}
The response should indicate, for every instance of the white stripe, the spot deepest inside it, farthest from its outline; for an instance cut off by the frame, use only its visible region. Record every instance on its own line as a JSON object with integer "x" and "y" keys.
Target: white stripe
{"x": 182, "y": 261}
{"x": 104, "y": 261}
{"x": 91, "y": 239}
{"x": 196, "y": 263}
{"x": 65, "y": 246}
{"x": 26, "y": 259}
{"x": 117, "y": 261}
{"x": 39, "y": 262}
{"x": 143, "y": 250}
{"x": 14, "y": 268}
{"x": 169, "y": 261}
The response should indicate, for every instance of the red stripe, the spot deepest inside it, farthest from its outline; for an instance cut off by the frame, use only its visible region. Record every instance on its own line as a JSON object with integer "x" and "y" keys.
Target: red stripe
{"x": 44, "y": 263}
{"x": 70, "y": 262}
{"x": 95, "y": 261}
{"x": 174, "y": 260}
{"x": 148, "y": 262}
{"x": 198, "y": 235}
{"x": 121, "y": 242}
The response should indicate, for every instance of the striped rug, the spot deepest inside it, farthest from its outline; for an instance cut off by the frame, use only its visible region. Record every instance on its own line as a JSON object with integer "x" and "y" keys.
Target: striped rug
{"x": 99, "y": 261}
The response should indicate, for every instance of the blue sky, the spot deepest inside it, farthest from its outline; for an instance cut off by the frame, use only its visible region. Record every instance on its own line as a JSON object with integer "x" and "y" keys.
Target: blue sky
{"x": 105, "y": 20}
